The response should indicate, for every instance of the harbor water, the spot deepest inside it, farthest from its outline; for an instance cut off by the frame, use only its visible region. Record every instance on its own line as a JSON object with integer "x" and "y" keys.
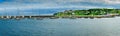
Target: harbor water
{"x": 60, "y": 27}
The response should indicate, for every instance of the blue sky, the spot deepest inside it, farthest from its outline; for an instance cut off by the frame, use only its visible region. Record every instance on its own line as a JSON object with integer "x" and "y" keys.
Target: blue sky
{"x": 25, "y": 5}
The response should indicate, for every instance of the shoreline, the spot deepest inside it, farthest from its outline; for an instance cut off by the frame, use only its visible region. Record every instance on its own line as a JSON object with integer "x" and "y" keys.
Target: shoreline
{"x": 56, "y": 17}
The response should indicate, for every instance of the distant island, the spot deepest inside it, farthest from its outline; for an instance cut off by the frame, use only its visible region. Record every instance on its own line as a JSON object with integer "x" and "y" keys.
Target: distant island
{"x": 96, "y": 12}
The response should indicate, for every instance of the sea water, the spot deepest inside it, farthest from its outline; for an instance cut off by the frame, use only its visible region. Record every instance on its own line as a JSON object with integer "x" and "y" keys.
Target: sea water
{"x": 60, "y": 27}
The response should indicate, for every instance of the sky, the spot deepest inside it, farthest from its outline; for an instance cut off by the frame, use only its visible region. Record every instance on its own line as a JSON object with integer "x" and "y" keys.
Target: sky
{"x": 25, "y": 5}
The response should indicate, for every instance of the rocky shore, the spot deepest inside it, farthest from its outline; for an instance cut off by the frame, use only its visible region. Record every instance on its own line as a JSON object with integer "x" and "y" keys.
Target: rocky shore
{"x": 56, "y": 17}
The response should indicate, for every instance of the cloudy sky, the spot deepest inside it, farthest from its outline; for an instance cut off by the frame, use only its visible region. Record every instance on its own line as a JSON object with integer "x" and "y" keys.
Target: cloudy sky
{"x": 13, "y": 5}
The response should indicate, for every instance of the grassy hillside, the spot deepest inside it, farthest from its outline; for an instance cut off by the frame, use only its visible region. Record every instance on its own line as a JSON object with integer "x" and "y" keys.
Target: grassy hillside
{"x": 90, "y": 12}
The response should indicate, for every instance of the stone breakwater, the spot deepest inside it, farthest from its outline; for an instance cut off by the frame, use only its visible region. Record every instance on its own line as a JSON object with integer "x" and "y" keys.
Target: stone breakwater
{"x": 28, "y": 17}
{"x": 56, "y": 17}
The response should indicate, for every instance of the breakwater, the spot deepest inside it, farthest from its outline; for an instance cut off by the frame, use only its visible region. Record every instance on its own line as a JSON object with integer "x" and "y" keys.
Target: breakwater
{"x": 28, "y": 17}
{"x": 55, "y": 17}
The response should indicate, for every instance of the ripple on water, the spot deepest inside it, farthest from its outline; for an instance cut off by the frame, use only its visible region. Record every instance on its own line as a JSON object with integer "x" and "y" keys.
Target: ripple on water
{"x": 61, "y": 27}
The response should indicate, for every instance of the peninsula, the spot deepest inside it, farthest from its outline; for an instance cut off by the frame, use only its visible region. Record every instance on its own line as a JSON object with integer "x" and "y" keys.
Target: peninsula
{"x": 89, "y": 13}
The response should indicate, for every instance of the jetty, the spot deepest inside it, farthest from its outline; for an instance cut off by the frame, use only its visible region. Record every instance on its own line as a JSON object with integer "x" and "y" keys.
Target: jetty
{"x": 28, "y": 17}
{"x": 55, "y": 17}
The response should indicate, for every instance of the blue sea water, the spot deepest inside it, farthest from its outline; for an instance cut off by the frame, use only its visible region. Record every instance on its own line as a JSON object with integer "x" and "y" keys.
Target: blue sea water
{"x": 60, "y": 27}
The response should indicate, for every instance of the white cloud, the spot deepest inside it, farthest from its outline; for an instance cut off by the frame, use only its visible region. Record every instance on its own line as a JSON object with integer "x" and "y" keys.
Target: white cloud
{"x": 47, "y": 4}
{"x": 65, "y": 1}
{"x": 112, "y": 1}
